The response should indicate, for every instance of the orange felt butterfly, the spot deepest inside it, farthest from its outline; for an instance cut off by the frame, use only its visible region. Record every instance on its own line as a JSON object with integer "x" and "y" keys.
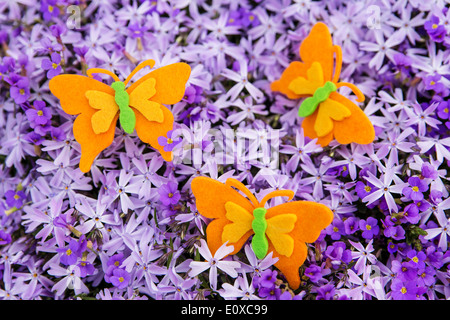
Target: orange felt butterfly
{"x": 327, "y": 114}
{"x": 139, "y": 107}
{"x": 282, "y": 229}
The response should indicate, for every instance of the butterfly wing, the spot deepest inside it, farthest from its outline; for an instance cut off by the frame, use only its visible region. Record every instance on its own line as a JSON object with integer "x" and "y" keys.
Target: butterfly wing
{"x": 167, "y": 87}
{"x": 107, "y": 110}
{"x": 356, "y": 128}
{"x": 316, "y": 47}
{"x": 241, "y": 223}
{"x": 277, "y": 230}
{"x": 328, "y": 113}
{"x": 139, "y": 99}
{"x": 211, "y": 198}
{"x": 71, "y": 91}
{"x": 311, "y": 218}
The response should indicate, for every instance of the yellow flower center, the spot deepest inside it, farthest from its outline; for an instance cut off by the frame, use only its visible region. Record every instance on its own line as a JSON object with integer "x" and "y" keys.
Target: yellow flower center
{"x": 368, "y": 227}
{"x": 116, "y": 263}
{"x": 415, "y": 259}
{"x": 16, "y": 197}
{"x": 446, "y": 110}
{"x": 251, "y": 18}
{"x": 367, "y": 188}
{"x": 40, "y": 113}
{"x": 69, "y": 252}
{"x": 169, "y": 141}
{"x": 50, "y": 9}
{"x": 54, "y": 65}
{"x": 22, "y": 92}
{"x": 121, "y": 279}
{"x": 403, "y": 290}
{"x": 434, "y": 26}
{"x": 170, "y": 195}
{"x": 335, "y": 229}
{"x": 415, "y": 189}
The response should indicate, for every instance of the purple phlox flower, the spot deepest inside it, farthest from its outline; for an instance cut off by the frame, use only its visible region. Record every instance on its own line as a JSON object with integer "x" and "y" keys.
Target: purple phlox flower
{"x": 39, "y": 114}
{"x": 256, "y": 266}
{"x": 337, "y": 254}
{"x": 364, "y": 189}
{"x": 5, "y": 238}
{"x": 382, "y": 47}
{"x": 429, "y": 171}
{"x": 443, "y": 230}
{"x": 363, "y": 255}
{"x": 141, "y": 261}
{"x": 369, "y": 227}
{"x": 52, "y": 65}
{"x": 302, "y": 150}
{"x": 403, "y": 62}
{"x": 49, "y": 9}
{"x": 248, "y": 111}
{"x": 15, "y": 198}
{"x": 443, "y": 110}
{"x": 436, "y": 31}
{"x": 20, "y": 90}
{"x": 394, "y": 143}
{"x": 168, "y": 143}
{"x": 415, "y": 189}
{"x": 120, "y": 278}
{"x": 360, "y": 288}
{"x": 193, "y": 94}
{"x": 426, "y": 276}
{"x": 432, "y": 83}
{"x": 95, "y": 218}
{"x": 71, "y": 254}
{"x": 314, "y": 273}
{"x": 169, "y": 193}
{"x": 392, "y": 229}
{"x": 241, "y": 289}
{"x": 336, "y": 229}
{"x": 267, "y": 279}
{"x": 325, "y": 292}
{"x": 440, "y": 147}
{"x": 416, "y": 259}
{"x": 403, "y": 290}
{"x": 351, "y": 225}
{"x": 423, "y": 118}
{"x": 242, "y": 82}
{"x": 136, "y": 30}
{"x": 214, "y": 262}
{"x": 385, "y": 188}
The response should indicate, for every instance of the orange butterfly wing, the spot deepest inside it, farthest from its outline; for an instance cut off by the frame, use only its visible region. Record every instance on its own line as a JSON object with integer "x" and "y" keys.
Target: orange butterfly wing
{"x": 312, "y": 218}
{"x": 356, "y": 128}
{"x": 71, "y": 90}
{"x": 170, "y": 88}
{"x": 317, "y": 46}
{"x": 211, "y": 196}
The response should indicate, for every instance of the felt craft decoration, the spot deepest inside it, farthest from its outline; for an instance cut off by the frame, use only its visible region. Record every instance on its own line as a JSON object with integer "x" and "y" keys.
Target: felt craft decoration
{"x": 140, "y": 106}
{"x": 327, "y": 114}
{"x": 282, "y": 230}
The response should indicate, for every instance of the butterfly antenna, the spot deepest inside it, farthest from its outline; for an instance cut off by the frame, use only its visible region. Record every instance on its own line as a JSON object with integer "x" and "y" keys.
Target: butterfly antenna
{"x": 354, "y": 88}
{"x": 337, "y": 72}
{"x": 240, "y": 186}
{"x": 150, "y": 63}
{"x": 91, "y": 71}
{"x": 277, "y": 193}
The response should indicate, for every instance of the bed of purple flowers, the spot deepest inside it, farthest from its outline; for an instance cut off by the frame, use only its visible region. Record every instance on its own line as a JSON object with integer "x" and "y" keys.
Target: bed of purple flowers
{"x": 129, "y": 228}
